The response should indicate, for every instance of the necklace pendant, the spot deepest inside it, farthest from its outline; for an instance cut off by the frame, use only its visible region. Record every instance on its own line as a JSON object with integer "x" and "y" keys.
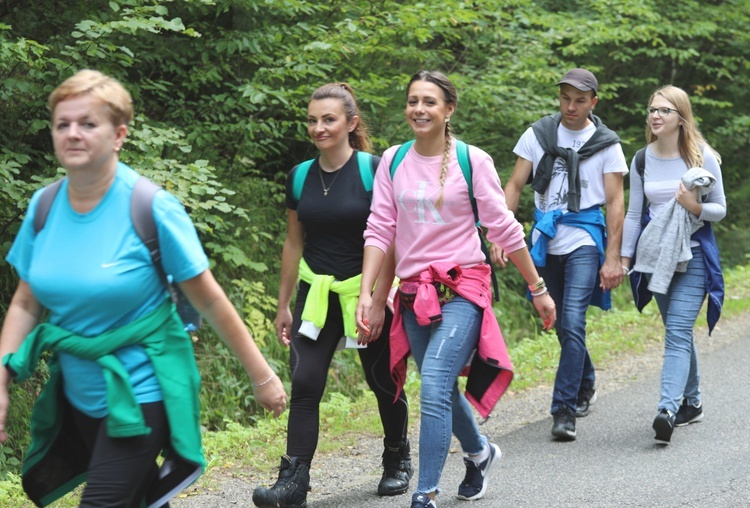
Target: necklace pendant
{"x": 325, "y": 192}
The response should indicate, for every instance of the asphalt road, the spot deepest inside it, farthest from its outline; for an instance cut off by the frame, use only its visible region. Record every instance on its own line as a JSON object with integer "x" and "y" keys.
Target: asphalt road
{"x": 615, "y": 462}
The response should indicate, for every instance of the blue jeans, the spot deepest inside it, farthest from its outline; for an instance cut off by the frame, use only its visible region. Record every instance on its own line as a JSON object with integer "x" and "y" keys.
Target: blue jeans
{"x": 571, "y": 280}
{"x": 441, "y": 350}
{"x": 679, "y": 310}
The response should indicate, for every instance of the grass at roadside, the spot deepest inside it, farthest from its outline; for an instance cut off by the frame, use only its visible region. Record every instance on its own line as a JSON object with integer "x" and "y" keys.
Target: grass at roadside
{"x": 240, "y": 449}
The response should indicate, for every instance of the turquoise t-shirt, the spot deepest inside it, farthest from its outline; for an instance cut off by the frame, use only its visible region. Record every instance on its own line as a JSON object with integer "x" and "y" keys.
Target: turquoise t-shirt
{"x": 93, "y": 273}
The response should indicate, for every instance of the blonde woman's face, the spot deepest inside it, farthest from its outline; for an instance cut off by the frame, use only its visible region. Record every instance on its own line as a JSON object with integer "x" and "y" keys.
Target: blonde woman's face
{"x": 84, "y": 136}
{"x": 426, "y": 109}
{"x": 663, "y": 125}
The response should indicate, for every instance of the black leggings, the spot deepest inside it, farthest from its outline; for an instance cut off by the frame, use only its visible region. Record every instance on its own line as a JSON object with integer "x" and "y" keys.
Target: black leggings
{"x": 310, "y": 361}
{"x": 121, "y": 469}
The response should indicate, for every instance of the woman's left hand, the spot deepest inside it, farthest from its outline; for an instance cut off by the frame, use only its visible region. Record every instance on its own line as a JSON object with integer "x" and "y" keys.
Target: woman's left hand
{"x": 271, "y": 396}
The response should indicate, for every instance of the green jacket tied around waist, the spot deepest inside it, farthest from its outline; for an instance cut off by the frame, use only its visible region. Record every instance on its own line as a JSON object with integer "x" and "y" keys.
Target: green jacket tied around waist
{"x": 170, "y": 351}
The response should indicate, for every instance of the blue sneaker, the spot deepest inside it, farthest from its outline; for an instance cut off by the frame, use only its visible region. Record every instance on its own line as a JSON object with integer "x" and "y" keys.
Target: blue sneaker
{"x": 422, "y": 501}
{"x": 477, "y": 475}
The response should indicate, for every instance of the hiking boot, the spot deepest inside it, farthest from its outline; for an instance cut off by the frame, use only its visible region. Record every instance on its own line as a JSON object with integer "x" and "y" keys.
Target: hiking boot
{"x": 477, "y": 475}
{"x": 397, "y": 468}
{"x": 564, "y": 424}
{"x": 664, "y": 425}
{"x": 422, "y": 501}
{"x": 290, "y": 490}
{"x": 688, "y": 413}
{"x": 586, "y": 397}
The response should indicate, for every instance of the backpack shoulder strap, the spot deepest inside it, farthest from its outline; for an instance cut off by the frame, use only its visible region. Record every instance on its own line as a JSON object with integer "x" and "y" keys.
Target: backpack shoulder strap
{"x": 640, "y": 167}
{"x": 464, "y": 161}
{"x": 45, "y": 203}
{"x": 640, "y": 161}
{"x": 399, "y": 156}
{"x": 364, "y": 161}
{"x": 142, "y": 217}
{"x": 300, "y": 174}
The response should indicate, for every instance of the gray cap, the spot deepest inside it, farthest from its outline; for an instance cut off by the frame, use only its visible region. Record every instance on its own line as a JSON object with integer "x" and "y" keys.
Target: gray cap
{"x": 581, "y": 79}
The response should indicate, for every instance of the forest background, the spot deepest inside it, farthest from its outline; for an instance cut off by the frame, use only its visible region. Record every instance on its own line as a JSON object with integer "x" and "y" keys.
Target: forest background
{"x": 221, "y": 88}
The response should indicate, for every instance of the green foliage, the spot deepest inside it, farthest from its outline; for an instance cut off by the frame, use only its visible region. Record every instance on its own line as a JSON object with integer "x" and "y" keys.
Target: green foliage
{"x": 220, "y": 89}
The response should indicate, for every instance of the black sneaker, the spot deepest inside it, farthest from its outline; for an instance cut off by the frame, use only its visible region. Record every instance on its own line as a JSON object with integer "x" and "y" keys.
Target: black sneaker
{"x": 688, "y": 413}
{"x": 664, "y": 425}
{"x": 564, "y": 424}
{"x": 477, "y": 475}
{"x": 422, "y": 501}
{"x": 586, "y": 397}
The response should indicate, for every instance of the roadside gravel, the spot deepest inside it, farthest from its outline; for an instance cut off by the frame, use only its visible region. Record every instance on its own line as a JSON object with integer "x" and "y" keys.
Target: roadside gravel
{"x": 358, "y": 467}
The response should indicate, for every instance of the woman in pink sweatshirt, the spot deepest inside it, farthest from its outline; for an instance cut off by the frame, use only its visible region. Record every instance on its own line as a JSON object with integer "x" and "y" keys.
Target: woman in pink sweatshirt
{"x": 443, "y": 309}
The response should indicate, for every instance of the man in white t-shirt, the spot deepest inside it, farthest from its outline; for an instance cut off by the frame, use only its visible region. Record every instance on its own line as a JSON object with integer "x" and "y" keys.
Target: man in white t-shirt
{"x": 577, "y": 165}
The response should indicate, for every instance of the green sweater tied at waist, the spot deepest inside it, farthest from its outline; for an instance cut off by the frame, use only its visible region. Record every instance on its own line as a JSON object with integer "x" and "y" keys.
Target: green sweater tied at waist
{"x": 170, "y": 351}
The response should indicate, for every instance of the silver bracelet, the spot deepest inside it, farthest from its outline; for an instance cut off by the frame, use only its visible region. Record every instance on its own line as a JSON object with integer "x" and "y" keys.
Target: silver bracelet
{"x": 543, "y": 291}
{"x": 265, "y": 381}
{"x": 627, "y": 271}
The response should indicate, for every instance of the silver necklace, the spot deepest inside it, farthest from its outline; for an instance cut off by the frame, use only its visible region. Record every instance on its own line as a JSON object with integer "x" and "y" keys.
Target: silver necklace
{"x": 323, "y": 184}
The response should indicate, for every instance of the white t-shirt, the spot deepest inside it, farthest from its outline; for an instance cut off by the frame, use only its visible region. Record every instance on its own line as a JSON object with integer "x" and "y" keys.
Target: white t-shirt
{"x": 591, "y": 171}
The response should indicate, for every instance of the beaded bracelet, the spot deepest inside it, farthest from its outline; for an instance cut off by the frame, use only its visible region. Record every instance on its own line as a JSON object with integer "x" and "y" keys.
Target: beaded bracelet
{"x": 265, "y": 381}
{"x": 537, "y": 285}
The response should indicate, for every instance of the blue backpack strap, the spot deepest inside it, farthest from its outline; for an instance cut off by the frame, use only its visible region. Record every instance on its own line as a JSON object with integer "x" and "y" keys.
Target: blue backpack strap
{"x": 300, "y": 174}
{"x": 364, "y": 161}
{"x": 45, "y": 203}
{"x": 400, "y": 154}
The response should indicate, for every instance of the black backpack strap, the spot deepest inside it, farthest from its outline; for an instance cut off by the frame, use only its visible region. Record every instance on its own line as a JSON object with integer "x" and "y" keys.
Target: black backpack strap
{"x": 142, "y": 217}
{"x": 45, "y": 203}
{"x": 640, "y": 167}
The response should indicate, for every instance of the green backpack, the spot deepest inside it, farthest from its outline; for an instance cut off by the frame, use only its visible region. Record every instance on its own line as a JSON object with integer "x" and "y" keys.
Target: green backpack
{"x": 364, "y": 161}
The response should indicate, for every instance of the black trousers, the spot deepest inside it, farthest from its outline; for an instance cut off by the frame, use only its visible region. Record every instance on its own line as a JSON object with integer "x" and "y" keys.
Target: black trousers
{"x": 310, "y": 361}
{"x": 121, "y": 469}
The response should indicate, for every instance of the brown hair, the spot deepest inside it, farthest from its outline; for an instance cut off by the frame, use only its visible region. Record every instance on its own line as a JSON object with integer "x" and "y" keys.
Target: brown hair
{"x": 113, "y": 95}
{"x": 359, "y": 138}
{"x": 690, "y": 141}
{"x": 450, "y": 96}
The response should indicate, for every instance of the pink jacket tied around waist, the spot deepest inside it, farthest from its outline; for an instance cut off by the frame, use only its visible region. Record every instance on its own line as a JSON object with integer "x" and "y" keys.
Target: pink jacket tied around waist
{"x": 490, "y": 371}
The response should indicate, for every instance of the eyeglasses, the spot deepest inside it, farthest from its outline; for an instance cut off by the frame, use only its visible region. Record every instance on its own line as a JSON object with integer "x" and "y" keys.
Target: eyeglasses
{"x": 662, "y": 111}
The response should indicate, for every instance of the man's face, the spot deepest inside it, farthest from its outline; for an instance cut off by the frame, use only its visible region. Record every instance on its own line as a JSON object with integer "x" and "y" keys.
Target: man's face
{"x": 575, "y": 106}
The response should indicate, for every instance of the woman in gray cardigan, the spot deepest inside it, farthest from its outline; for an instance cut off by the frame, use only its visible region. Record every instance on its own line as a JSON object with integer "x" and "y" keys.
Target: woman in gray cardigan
{"x": 674, "y": 149}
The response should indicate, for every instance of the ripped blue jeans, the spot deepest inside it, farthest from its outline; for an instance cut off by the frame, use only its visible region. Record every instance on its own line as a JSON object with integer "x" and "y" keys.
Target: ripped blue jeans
{"x": 441, "y": 350}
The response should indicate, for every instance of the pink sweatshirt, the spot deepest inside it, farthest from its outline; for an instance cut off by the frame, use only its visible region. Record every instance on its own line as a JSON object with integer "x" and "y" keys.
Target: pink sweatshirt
{"x": 404, "y": 209}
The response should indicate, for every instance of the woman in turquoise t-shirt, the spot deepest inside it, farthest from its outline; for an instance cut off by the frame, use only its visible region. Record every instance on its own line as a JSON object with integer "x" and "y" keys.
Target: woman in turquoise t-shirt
{"x": 91, "y": 274}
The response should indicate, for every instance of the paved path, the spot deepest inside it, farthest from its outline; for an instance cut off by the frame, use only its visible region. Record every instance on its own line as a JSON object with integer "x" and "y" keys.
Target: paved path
{"x": 615, "y": 462}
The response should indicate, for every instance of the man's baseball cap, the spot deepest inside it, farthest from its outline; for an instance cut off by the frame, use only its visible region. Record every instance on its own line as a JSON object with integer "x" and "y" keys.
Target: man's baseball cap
{"x": 581, "y": 79}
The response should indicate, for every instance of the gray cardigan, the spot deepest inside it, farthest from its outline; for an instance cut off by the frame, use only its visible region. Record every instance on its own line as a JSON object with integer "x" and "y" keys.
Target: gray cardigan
{"x": 664, "y": 245}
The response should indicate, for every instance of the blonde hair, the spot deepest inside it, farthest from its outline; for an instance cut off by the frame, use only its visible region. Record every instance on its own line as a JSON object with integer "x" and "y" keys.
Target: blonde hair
{"x": 359, "y": 138}
{"x": 450, "y": 96}
{"x": 690, "y": 141}
{"x": 108, "y": 90}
